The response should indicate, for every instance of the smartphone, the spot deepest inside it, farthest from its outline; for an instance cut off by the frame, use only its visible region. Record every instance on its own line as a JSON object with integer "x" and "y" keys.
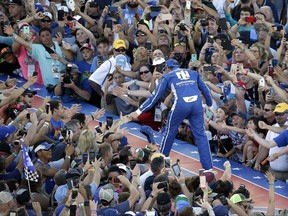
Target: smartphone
{"x": 92, "y": 156}
{"x": 47, "y": 107}
{"x": 176, "y": 169}
{"x": 271, "y": 71}
{"x": 223, "y": 24}
{"x": 262, "y": 82}
{"x": 155, "y": 8}
{"x": 98, "y": 130}
{"x": 132, "y": 163}
{"x": 26, "y": 30}
{"x": 148, "y": 46}
{"x": 162, "y": 185}
{"x": 35, "y": 73}
{"x": 100, "y": 124}
{"x": 202, "y": 181}
{"x": 193, "y": 57}
{"x": 12, "y": 213}
{"x": 223, "y": 200}
{"x": 209, "y": 68}
{"x": 233, "y": 67}
{"x": 28, "y": 116}
{"x": 100, "y": 57}
{"x": 73, "y": 209}
{"x": 274, "y": 62}
{"x": 74, "y": 194}
{"x": 286, "y": 36}
{"x": 84, "y": 157}
{"x": 109, "y": 121}
{"x": 271, "y": 91}
{"x": 188, "y": 5}
{"x": 226, "y": 44}
{"x": 210, "y": 39}
{"x": 109, "y": 24}
{"x": 250, "y": 19}
{"x": 70, "y": 183}
{"x": 61, "y": 15}
{"x": 167, "y": 162}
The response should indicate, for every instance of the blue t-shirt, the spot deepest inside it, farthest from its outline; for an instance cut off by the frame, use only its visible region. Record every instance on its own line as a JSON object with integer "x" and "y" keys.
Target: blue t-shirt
{"x": 282, "y": 139}
{"x": 94, "y": 65}
{"x": 121, "y": 208}
{"x": 83, "y": 66}
{"x": 15, "y": 174}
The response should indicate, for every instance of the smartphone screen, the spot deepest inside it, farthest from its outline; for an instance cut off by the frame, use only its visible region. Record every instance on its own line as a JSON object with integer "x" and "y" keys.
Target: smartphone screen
{"x": 84, "y": 157}
{"x": 109, "y": 24}
{"x": 98, "y": 130}
{"x": 92, "y": 156}
{"x": 202, "y": 181}
{"x": 148, "y": 46}
{"x": 132, "y": 164}
{"x": 109, "y": 121}
{"x": 223, "y": 24}
{"x": 70, "y": 183}
{"x": 210, "y": 39}
{"x": 226, "y": 44}
{"x": 176, "y": 169}
{"x": 155, "y": 8}
{"x": 47, "y": 107}
{"x": 209, "y": 68}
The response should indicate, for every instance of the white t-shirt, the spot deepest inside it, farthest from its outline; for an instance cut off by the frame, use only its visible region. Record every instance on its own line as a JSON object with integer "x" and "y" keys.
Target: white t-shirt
{"x": 280, "y": 164}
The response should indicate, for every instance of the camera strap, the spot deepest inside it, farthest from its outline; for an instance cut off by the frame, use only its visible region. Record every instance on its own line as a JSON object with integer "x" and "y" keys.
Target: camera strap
{"x": 49, "y": 50}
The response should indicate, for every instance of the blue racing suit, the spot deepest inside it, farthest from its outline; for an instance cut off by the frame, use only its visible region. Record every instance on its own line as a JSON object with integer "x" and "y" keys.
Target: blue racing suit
{"x": 186, "y": 86}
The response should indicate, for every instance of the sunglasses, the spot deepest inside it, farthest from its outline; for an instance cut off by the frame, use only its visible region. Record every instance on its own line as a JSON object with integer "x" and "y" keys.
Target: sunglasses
{"x": 162, "y": 31}
{"x": 267, "y": 110}
{"x": 141, "y": 35}
{"x": 280, "y": 114}
{"x": 144, "y": 72}
{"x": 47, "y": 21}
{"x": 120, "y": 50}
{"x": 29, "y": 95}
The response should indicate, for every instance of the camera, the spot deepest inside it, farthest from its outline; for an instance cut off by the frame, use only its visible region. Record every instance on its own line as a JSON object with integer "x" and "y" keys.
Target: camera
{"x": 177, "y": 56}
{"x": 204, "y": 22}
{"x": 67, "y": 77}
{"x": 182, "y": 27}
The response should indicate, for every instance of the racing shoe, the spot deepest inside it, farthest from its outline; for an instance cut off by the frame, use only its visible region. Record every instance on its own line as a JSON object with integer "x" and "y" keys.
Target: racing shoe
{"x": 148, "y": 132}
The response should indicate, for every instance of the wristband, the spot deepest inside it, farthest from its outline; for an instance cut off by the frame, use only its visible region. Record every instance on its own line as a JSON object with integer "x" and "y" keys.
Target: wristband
{"x": 67, "y": 156}
{"x": 182, "y": 185}
{"x": 151, "y": 195}
{"x": 81, "y": 204}
{"x": 202, "y": 53}
{"x": 271, "y": 184}
{"x": 41, "y": 110}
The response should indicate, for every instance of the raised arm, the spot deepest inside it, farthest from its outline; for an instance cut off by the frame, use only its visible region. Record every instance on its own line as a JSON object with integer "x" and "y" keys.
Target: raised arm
{"x": 10, "y": 31}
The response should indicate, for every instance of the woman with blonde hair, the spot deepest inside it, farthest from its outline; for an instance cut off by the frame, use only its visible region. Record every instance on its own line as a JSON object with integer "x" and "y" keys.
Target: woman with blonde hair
{"x": 87, "y": 141}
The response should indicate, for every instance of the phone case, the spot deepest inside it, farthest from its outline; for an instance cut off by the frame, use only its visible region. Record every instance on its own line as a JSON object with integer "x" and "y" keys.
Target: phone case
{"x": 202, "y": 181}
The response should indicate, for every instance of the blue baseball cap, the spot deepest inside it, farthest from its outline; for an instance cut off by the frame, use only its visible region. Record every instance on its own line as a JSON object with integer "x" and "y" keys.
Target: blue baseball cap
{"x": 172, "y": 63}
{"x": 39, "y": 7}
{"x": 5, "y": 131}
{"x": 220, "y": 210}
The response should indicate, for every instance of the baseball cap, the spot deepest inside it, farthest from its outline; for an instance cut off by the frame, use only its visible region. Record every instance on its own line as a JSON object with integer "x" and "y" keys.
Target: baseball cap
{"x": 106, "y": 193}
{"x": 21, "y": 25}
{"x": 47, "y": 14}
{"x": 22, "y": 196}
{"x": 238, "y": 198}
{"x": 181, "y": 202}
{"x": 156, "y": 155}
{"x": 5, "y": 131}
{"x": 220, "y": 210}
{"x": 5, "y": 51}
{"x": 119, "y": 43}
{"x": 87, "y": 46}
{"x": 74, "y": 172}
{"x": 121, "y": 60}
{"x": 64, "y": 8}
{"x": 210, "y": 176}
{"x": 240, "y": 114}
{"x": 74, "y": 68}
{"x": 18, "y": 2}
{"x": 158, "y": 61}
{"x": 39, "y": 7}
{"x": 281, "y": 107}
{"x": 5, "y": 197}
{"x": 172, "y": 63}
{"x": 43, "y": 146}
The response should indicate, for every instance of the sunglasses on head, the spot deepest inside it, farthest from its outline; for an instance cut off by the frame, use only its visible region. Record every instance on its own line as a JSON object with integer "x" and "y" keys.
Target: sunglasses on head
{"x": 280, "y": 114}
{"x": 47, "y": 21}
{"x": 144, "y": 72}
{"x": 140, "y": 35}
{"x": 120, "y": 50}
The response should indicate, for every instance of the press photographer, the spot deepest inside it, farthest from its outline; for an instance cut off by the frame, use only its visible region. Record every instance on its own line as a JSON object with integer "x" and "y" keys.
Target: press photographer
{"x": 73, "y": 84}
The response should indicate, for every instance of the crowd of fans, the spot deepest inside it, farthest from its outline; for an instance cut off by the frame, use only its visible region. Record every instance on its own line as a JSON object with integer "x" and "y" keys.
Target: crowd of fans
{"x": 113, "y": 54}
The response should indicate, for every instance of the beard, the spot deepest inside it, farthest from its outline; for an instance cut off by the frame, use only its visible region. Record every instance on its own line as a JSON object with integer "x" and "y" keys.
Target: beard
{"x": 132, "y": 5}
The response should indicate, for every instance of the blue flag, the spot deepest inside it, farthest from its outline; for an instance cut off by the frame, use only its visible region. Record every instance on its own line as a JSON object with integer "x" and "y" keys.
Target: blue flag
{"x": 29, "y": 169}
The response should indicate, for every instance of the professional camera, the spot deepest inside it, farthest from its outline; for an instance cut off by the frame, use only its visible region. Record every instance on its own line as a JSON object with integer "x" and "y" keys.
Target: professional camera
{"x": 204, "y": 22}
{"x": 182, "y": 27}
{"x": 177, "y": 56}
{"x": 67, "y": 77}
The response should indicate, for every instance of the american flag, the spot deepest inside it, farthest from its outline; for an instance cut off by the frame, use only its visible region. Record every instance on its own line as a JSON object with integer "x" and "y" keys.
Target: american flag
{"x": 29, "y": 169}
